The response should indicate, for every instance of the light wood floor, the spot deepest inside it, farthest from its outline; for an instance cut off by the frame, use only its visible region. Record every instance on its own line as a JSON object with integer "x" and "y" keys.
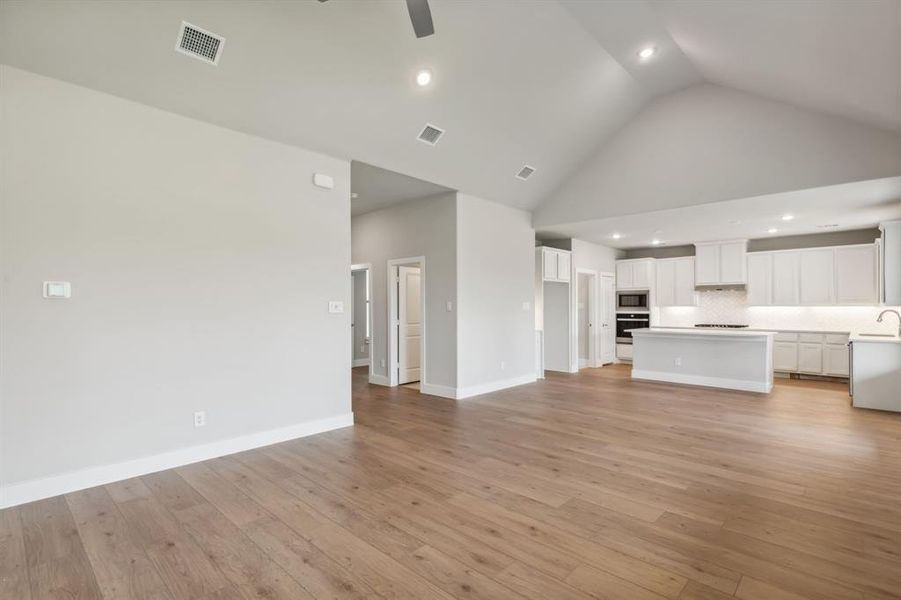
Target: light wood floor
{"x": 580, "y": 486}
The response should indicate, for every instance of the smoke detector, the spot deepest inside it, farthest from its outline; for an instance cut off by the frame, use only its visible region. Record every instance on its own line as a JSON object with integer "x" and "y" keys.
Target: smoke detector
{"x": 199, "y": 43}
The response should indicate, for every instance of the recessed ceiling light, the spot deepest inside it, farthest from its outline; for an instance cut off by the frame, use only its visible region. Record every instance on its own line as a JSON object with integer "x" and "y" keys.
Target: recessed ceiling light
{"x": 354, "y": 195}
{"x": 656, "y": 242}
{"x": 616, "y": 236}
{"x": 772, "y": 230}
{"x": 787, "y": 217}
{"x": 423, "y": 77}
{"x": 648, "y": 52}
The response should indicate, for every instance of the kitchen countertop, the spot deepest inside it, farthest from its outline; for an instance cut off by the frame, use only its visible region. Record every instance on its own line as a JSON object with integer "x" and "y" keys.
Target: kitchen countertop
{"x": 774, "y": 330}
{"x": 858, "y": 338}
{"x": 701, "y": 332}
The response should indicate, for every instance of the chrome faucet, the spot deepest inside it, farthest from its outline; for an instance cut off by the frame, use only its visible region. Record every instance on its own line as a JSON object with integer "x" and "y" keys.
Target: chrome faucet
{"x": 890, "y": 310}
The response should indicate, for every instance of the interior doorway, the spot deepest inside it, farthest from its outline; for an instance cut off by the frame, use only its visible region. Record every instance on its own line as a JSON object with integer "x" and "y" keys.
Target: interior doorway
{"x": 406, "y": 349}
{"x": 586, "y": 318}
{"x": 361, "y": 316}
{"x": 606, "y": 333}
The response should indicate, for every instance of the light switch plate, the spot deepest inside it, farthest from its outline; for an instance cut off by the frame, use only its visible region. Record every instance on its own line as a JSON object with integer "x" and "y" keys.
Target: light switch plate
{"x": 57, "y": 289}
{"x": 450, "y": 306}
{"x": 335, "y": 306}
{"x": 526, "y": 306}
{"x": 324, "y": 181}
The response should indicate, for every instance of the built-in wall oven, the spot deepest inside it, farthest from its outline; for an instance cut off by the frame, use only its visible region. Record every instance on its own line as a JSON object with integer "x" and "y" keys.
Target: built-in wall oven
{"x": 631, "y": 301}
{"x": 627, "y": 321}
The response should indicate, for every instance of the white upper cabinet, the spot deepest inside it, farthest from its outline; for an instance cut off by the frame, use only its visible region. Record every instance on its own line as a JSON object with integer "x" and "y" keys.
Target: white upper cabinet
{"x": 634, "y": 274}
{"x": 835, "y": 276}
{"x": 721, "y": 263}
{"x": 856, "y": 279}
{"x": 760, "y": 279}
{"x": 556, "y": 264}
{"x": 818, "y": 277}
{"x": 707, "y": 264}
{"x": 786, "y": 266}
{"x": 676, "y": 282}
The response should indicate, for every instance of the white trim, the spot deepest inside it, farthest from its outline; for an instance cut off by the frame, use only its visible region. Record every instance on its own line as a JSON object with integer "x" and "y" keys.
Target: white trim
{"x": 392, "y": 320}
{"x": 593, "y": 339}
{"x": 37, "y": 489}
{"x": 717, "y": 382}
{"x": 493, "y": 386}
{"x": 376, "y": 379}
{"x": 361, "y": 362}
{"x": 444, "y": 391}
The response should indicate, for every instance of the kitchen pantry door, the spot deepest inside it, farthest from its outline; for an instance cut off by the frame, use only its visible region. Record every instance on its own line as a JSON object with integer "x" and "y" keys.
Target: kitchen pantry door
{"x": 409, "y": 324}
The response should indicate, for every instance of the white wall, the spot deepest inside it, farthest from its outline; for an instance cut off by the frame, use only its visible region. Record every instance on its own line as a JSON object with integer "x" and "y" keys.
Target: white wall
{"x": 201, "y": 260}
{"x": 496, "y": 274}
{"x": 427, "y": 228}
{"x": 709, "y": 143}
{"x": 587, "y": 255}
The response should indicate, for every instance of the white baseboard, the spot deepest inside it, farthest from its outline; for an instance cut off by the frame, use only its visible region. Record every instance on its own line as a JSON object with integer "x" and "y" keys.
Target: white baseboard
{"x": 444, "y": 391}
{"x": 379, "y": 379}
{"x": 717, "y": 382}
{"x": 493, "y": 386}
{"x": 361, "y": 362}
{"x": 46, "y": 487}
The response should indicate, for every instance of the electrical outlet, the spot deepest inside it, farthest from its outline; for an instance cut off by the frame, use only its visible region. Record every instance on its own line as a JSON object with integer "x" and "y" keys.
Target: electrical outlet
{"x": 199, "y": 418}
{"x": 679, "y": 361}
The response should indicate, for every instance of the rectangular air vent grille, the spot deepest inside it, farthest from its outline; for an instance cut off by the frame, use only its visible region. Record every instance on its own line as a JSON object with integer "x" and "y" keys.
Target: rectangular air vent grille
{"x": 199, "y": 43}
{"x": 525, "y": 172}
{"x": 430, "y": 134}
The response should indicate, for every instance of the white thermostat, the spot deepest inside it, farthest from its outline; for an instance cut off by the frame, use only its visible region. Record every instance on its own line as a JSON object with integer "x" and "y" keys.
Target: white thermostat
{"x": 57, "y": 289}
{"x": 335, "y": 306}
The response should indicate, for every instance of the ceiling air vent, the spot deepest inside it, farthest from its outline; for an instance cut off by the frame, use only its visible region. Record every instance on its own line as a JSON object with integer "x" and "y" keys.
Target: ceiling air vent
{"x": 525, "y": 172}
{"x": 199, "y": 43}
{"x": 430, "y": 134}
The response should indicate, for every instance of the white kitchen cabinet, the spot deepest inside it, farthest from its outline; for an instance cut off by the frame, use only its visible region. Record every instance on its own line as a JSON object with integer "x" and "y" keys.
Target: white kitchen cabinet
{"x": 836, "y": 360}
{"x": 676, "y": 282}
{"x": 810, "y": 358}
{"x": 721, "y": 263}
{"x": 556, "y": 264}
{"x": 666, "y": 283}
{"x": 786, "y": 267}
{"x": 785, "y": 356}
{"x": 818, "y": 277}
{"x": 634, "y": 274}
{"x": 686, "y": 295}
{"x": 760, "y": 279}
{"x": 856, "y": 278}
{"x": 707, "y": 264}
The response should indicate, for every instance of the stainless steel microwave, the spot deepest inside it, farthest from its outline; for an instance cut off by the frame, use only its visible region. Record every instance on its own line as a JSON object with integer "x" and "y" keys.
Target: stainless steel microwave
{"x": 632, "y": 301}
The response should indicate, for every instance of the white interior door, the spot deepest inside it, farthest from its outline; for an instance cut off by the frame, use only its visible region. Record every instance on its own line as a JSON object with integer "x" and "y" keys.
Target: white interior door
{"x": 586, "y": 315}
{"x": 607, "y": 312}
{"x": 409, "y": 324}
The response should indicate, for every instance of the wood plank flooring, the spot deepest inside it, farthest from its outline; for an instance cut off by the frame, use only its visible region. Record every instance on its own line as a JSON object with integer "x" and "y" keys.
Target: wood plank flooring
{"x": 577, "y": 487}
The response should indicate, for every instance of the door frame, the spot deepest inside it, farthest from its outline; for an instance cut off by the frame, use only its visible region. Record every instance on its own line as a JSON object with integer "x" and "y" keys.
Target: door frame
{"x": 593, "y": 354}
{"x": 600, "y": 358}
{"x": 392, "y": 317}
{"x": 368, "y": 268}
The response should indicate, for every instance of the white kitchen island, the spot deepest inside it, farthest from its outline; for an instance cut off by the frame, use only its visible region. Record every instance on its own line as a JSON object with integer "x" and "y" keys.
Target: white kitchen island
{"x": 730, "y": 359}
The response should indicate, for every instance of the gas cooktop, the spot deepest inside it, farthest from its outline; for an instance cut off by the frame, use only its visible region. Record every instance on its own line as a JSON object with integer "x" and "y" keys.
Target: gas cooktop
{"x": 719, "y": 326}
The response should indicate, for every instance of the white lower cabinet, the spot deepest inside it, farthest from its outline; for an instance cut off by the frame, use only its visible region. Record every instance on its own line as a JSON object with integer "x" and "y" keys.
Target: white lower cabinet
{"x": 810, "y": 358}
{"x": 624, "y": 351}
{"x": 785, "y": 356}
{"x": 811, "y": 353}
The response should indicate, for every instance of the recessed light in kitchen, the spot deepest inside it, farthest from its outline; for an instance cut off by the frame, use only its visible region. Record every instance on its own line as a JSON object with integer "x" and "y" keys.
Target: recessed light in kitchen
{"x": 616, "y": 236}
{"x": 788, "y": 217}
{"x": 772, "y": 230}
{"x": 423, "y": 77}
{"x": 647, "y": 52}
{"x": 656, "y": 242}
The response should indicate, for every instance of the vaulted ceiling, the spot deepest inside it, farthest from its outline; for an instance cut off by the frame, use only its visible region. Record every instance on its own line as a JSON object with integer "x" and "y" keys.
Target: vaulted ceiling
{"x": 516, "y": 82}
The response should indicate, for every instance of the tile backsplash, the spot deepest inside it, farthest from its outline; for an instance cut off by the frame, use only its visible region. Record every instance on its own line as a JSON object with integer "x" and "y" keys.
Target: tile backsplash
{"x": 730, "y": 306}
